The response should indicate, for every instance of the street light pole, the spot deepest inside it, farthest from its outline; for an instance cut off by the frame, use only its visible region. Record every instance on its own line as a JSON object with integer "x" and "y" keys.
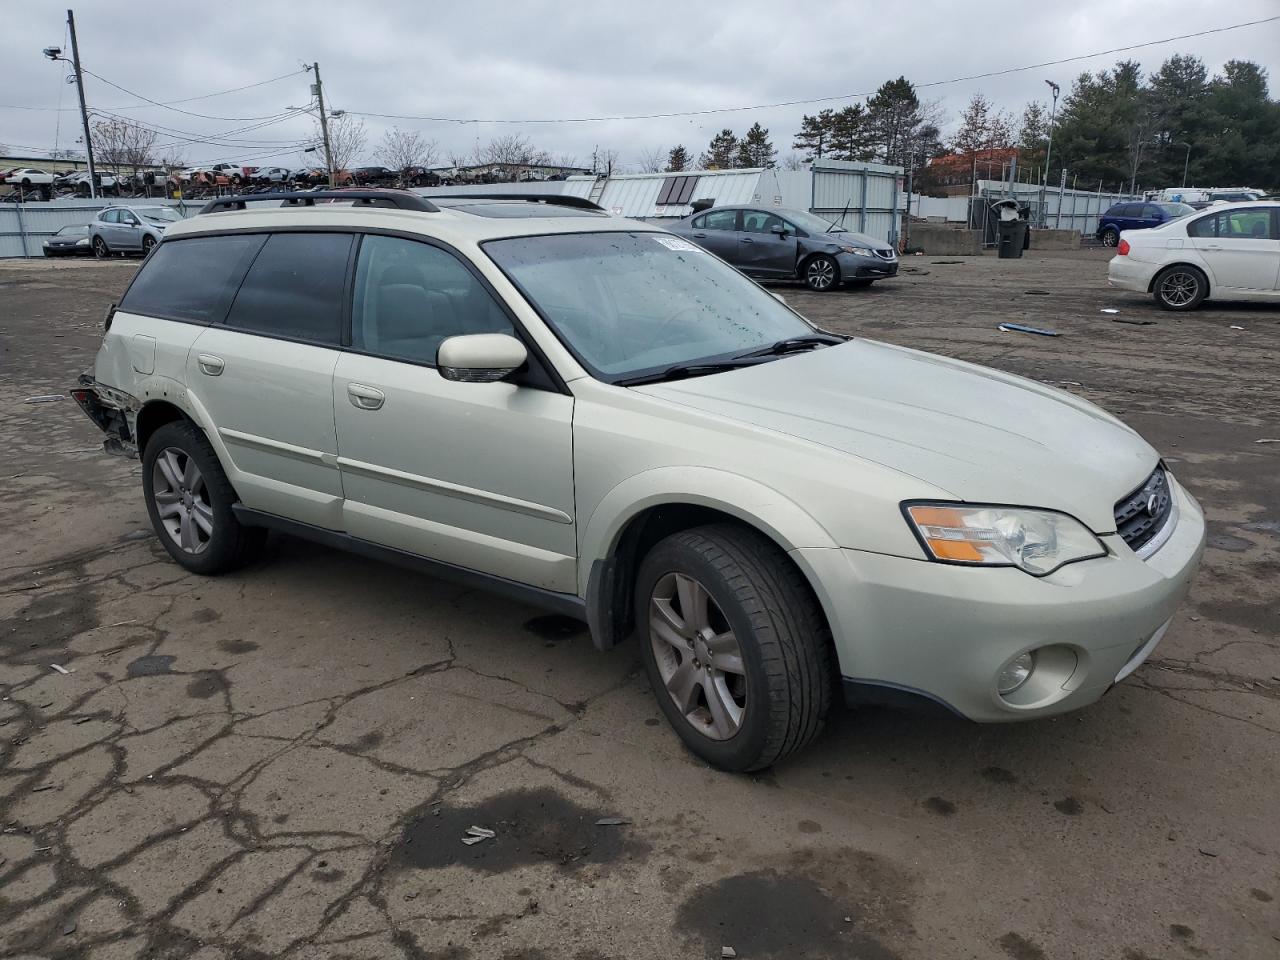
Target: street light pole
{"x": 1185, "y": 163}
{"x": 324, "y": 123}
{"x": 1048, "y": 153}
{"x": 55, "y": 53}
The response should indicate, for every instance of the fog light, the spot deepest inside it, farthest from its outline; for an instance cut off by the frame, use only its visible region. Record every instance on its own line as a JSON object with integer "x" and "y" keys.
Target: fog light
{"x": 1015, "y": 674}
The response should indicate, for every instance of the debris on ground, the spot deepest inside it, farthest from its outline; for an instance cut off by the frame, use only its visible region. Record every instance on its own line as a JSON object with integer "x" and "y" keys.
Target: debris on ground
{"x": 1136, "y": 323}
{"x": 1234, "y": 327}
{"x": 728, "y": 953}
{"x": 46, "y": 398}
{"x": 61, "y": 669}
{"x": 612, "y": 822}
{"x": 1023, "y": 328}
{"x": 1208, "y": 853}
{"x": 476, "y": 835}
{"x": 1037, "y": 293}
{"x": 945, "y": 261}
{"x": 1110, "y": 310}
{"x": 1267, "y": 440}
{"x": 43, "y": 787}
{"x": 69, "y": 928}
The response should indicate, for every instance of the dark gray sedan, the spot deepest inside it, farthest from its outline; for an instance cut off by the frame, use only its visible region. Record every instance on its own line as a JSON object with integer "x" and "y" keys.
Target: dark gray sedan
{"x": 782, "y": 244}
{"x": 68, "y": 242}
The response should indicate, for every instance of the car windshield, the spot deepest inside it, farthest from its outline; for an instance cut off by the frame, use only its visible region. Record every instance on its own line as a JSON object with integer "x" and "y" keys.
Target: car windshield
{"x": 73, "y": 231}
{"x": 1176, "y": 209}
{"x": 810, "y": 223}
{"x": 159, "y": 214}
{"x": 629, "y": 304}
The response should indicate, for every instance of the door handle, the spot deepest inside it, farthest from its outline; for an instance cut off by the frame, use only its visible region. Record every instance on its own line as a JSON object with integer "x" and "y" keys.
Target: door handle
{"x": 365, "y": 398}
{"x": 700, "y": 236}
{"x": 1213, "y": 246}
{"x": 209, "y": 364}
{"x": 747, "y": 240}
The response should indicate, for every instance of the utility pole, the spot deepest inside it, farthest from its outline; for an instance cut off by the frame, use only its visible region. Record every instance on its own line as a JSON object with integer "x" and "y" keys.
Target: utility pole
{"x": 84, "y": 113}
{"x": 324, "y": 122}
{"x": 1048, "y": 153}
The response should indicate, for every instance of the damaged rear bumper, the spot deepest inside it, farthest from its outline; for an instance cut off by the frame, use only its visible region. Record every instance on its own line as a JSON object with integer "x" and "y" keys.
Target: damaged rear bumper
{"x": 113, "y": 411}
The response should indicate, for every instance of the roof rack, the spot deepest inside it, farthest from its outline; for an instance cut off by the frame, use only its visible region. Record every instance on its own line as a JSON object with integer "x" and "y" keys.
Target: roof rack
{"x": 396, "y": 199}
{"x": 555, "y": 199}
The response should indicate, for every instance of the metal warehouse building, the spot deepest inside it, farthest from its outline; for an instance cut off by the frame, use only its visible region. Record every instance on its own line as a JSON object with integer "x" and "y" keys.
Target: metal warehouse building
{"x": 866, "y": 197}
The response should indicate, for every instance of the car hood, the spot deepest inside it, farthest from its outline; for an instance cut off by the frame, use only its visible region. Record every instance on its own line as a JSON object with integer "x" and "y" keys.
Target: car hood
{"x": 853, "y": 239}
{"x": 979, "y": 434}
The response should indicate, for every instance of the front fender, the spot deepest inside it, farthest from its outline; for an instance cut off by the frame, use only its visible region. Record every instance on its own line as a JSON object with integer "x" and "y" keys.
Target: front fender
{"x": 752, "y": 502}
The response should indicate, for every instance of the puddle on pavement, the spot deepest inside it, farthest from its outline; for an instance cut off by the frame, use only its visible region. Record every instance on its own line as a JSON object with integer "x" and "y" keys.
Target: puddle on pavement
{"x": 532, "y": 827}
{"x": 151, "y": 666}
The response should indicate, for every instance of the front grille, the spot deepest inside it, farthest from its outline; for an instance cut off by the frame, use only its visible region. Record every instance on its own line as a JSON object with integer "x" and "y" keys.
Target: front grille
{"x": 885, "y": 254}
{"x": 1141, "y": 515}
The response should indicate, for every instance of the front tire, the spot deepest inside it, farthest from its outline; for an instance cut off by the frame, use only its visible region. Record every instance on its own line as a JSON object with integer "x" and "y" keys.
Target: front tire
{"x": 189, "y": 500}
{"x": 821, "y": 273}
{"x": 735, "y": 646}
{"x": 1180, "y": 288}
{"x": 1110, "y": 237}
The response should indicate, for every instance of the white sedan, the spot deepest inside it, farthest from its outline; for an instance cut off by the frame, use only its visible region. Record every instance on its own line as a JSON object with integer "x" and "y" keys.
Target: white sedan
{"x": 1228, "y": 252}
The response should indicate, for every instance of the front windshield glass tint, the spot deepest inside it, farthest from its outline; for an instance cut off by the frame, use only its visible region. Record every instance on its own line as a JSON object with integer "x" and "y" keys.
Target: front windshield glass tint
{"x": 1177, "y": 209}
{"x": 82, "y": 230}
{"x": 634, "y": 303}
{"x": 167, "y": 214}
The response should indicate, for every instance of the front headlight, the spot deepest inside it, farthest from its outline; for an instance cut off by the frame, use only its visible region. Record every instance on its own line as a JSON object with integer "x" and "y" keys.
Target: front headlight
{"x": 1037, "y": 541}
{"x": 83, "y": 242}
{"x": 860, "y": 251}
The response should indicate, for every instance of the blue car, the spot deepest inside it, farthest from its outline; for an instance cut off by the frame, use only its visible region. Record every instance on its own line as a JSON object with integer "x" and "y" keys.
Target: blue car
{"x": 1137, "y": 216}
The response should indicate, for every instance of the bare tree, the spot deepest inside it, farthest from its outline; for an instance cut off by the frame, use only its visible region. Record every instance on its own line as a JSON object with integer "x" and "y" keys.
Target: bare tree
{"x": 407, "y": 148}
{"x": 604, "y": 161}
{"x": 652, "y": 159}
{"x": 347, "y": 137}
{"x": 567, "y": 160}
{"x": 172, "y": 157}
{"x": 118, "y": 142}
{"x": 792, "y": 161}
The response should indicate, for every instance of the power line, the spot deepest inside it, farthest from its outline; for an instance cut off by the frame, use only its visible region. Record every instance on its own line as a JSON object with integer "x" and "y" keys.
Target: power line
{"x": 203, "y": 116}
{"x": 164, "y": 103}
{"x": 845, "y": 96}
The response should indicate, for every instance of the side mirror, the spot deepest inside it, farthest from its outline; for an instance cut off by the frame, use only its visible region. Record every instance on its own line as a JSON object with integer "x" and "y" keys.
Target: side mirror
{"x": 480, "y": 357}
{"x": 779, "y": 229}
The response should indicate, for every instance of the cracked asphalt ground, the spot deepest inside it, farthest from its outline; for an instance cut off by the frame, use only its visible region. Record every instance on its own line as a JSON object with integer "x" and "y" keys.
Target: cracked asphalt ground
{"x": 282, "y": 763}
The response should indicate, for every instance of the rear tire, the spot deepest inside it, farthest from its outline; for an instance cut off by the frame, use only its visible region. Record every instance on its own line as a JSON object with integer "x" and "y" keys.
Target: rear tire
{"x": 147, "y": 244}
{"x": 1110, "y": 237}
{"x": 744, "y": 675}
{"x": 100, "y": 248}
{"x": 182, "y": 477}
{"x": 1180, "y": 287}
{"x": 821, "y": 273}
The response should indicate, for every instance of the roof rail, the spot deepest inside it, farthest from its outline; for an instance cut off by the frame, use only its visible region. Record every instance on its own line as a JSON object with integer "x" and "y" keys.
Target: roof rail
{"x": 555, "y": 199}
{"x": 396, "y": 199}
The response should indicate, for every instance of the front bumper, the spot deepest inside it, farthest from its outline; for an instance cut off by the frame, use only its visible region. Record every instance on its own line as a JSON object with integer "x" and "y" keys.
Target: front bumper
{"x": 1129, "y": 274}
{"x": 855, "y": 267}
{"x": 944, "y": 632}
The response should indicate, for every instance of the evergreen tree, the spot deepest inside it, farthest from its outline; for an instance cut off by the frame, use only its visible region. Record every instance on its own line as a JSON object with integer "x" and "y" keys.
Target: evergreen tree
{"x": 851, "y": 135}
{"x": 677, "y": 159}
{"x": 814, "y": 137}
{"x": 722, "y": 152}
{"x": 1033, "y": 135}
{"x": 894, "y": 114}
{"x": 755, "y": 149}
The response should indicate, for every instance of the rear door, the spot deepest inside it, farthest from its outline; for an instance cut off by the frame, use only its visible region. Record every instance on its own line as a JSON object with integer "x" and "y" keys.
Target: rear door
{"x": 761, "y": 251}
{"x": 479, "y": 475}
{"x": 1241, "y": 247}
{"x": 265, "y": 376}
{"x": 717, "y": 231}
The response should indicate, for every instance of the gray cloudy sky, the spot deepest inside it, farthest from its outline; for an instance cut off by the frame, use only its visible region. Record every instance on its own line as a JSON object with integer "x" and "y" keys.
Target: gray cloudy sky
{"x": 525, "y": 60}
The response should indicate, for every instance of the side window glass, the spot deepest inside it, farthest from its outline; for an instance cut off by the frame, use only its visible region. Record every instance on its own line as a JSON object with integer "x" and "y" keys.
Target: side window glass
{"x": 111, "y": 216}
{"x": 722, "y": 220}
{"x": 758, "y": 221}
{"x": 192, "y": 280}
{"x": 1248, "y": 224}
{"x": 699, "y": 223}
{"x": 410, "y": 297}
{"x": 1204, "y": 226}
{"x": 1150, "y": 212}
{"x": 294, "y": 288}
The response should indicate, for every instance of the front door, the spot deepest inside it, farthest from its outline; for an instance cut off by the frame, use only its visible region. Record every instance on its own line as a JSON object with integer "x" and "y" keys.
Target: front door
{"x": 265, "y": 376}
{"x": 1241, "y": 247}
{"x": 762, "y": 252}
{"x": 129, "y": 232}
{"x": 717, "y": 231}
{"x": 479, "y": 475}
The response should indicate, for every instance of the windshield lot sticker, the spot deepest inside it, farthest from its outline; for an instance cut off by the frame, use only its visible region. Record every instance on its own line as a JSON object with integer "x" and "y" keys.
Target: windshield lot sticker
{"x": 675, "y": 243}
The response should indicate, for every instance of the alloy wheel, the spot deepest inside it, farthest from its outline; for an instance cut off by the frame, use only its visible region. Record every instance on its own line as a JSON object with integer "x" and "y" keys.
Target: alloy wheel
{"x": 698, "y": 656}
{"x": 820, "y": 274}
{"x": 182, "y": 500}
{"x": 1179, "y": 289}
{"x": 99, "y": 248}
{"x": 1110, "y": 238}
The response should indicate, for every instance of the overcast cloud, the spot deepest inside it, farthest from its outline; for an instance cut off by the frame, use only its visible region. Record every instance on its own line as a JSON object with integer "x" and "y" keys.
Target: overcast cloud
{"x": 569, "y": 59}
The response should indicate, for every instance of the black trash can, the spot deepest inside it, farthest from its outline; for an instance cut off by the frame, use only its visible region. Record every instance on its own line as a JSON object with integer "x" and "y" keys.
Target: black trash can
{"x": 1013, "y": 238}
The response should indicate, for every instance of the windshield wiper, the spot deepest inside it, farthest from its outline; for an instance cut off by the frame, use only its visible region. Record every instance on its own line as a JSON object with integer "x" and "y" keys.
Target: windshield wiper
{"x": 682, "y": 371}
{"x": 792, "y": 344}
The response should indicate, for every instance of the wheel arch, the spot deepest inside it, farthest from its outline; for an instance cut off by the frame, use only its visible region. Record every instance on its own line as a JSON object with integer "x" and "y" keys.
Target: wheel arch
{"x": 614, "y": 541}
{"x": 154, "y": 415}
{"x": 1208, "y": 281}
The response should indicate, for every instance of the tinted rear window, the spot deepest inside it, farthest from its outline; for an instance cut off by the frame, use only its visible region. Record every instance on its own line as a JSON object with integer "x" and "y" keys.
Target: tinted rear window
{"x": 194, "y": 279}
{"x": 294, "y": 288}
